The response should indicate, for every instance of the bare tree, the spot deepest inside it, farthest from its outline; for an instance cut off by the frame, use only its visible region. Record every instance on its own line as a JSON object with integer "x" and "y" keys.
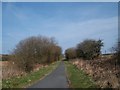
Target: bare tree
{"x": 34, "y": 50}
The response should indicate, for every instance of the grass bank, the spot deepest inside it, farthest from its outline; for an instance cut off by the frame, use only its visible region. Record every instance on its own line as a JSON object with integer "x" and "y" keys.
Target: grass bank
{"x": 78, "y": 78}
{"x": 24, "y": 81}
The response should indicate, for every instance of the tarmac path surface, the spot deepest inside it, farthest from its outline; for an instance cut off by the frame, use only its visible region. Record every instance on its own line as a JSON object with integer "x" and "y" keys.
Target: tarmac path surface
{"x": 56, "y": 79}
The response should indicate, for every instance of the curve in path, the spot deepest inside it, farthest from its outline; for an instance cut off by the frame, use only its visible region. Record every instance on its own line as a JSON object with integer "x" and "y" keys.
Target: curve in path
{"x": 57, "y": 79}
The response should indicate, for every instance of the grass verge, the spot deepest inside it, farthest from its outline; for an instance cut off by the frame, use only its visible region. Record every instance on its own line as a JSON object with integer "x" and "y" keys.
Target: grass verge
{"x": 78, "y": 78}
{"x": 24, "y": 81}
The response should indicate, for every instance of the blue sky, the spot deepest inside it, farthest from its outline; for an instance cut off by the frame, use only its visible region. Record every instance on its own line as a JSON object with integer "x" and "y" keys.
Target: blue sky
{"x": 0, "y": 27}
{"x": 69, "y": 23}
{"x": 60, "y": 0}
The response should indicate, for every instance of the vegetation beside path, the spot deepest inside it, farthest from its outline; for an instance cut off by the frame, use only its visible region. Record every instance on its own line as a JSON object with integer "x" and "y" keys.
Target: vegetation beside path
{"x": 30, "y": 78}
{"x": 78, "y": 78}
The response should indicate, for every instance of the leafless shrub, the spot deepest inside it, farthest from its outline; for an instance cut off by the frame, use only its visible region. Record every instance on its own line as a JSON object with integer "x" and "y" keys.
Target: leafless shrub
{"x": 34, "y": 50}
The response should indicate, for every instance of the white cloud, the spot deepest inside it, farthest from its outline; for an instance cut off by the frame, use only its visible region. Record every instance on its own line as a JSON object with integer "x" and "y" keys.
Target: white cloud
{"x": 87, "y": 28}
{"x": 16, "y": 11}
{"x": 70, "y": 32}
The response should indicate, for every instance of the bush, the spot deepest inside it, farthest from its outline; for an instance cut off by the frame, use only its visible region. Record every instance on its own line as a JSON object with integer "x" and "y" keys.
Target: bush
{"x": 34, "y": 50}
{"x": 117, "y": 53}
{"x": 89, "y": 49}
{"x": 5, "y": 57}
{"x": 70, "y": 53}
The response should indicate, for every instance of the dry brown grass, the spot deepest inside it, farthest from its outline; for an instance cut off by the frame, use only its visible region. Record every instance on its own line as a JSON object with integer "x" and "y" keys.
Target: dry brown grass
{"x": 9, "y": 69}
{"x": 105, "y": 72}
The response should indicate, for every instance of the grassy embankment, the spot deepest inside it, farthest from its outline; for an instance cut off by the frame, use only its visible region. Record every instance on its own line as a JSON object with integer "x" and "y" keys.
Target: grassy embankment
{"x": 27, "y": 80}
{"x": 78, "y": 78}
